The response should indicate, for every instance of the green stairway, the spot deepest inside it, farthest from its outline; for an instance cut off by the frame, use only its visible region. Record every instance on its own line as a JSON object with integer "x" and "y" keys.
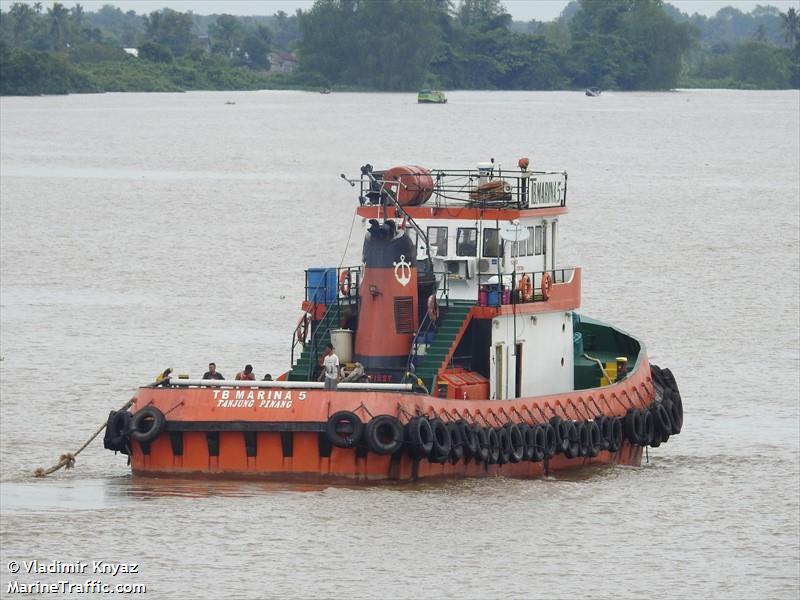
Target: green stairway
{"x": 302, "y": 369}
{"x": 449, "y": 326}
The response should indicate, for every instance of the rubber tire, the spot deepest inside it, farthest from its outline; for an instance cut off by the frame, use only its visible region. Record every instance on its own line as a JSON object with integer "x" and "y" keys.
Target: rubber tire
{"x": 441, "y": 441}
{"x": 550, "y": 448}
{"x": 118, "y": 429}
{"x": 634, "y": 426}
{"x": 555, "y": 422}
{"x": 344, "y": 439}
{"x": 516, "y": 443}
{"x": 663, "y": 420}
{"x": 539, "y": 443}
{"x": 384, "y": 434}
{"x": 494, "y": 446}
{"x": 573, "y": 440}
{"x": 595, "y": 439}
{"x": 504, "y": 441}
{"x": 526, "y": 431}
{"x": 148, "y": 435}
{"x": 456, "y": 443}
{"x": 419, "y": 436}
{"x": 606, "y": 426}
{"x": 469, "y": 439}
{"x": 483, "y": 444}
{"x": 617, "y": 437}
{"x": 649, "y": 428}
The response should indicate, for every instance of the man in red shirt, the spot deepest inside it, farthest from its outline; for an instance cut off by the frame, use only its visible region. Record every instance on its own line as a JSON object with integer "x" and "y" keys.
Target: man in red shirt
{"x": 247, "y": 374}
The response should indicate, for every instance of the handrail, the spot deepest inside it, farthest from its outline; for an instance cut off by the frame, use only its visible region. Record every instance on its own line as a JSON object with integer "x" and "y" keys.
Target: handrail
{"x": 523, "y": 189}
{"x": 557, "y": 276}
{"x": 427, "y": 323}
{"x": 405, "y": 387}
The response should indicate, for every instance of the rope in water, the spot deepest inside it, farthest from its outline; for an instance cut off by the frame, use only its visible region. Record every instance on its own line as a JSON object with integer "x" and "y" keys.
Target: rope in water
{"x": 67, "y": 460}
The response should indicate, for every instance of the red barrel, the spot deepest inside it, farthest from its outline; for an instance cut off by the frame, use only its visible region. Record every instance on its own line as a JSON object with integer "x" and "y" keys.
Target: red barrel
{"x": 417, "y": 184}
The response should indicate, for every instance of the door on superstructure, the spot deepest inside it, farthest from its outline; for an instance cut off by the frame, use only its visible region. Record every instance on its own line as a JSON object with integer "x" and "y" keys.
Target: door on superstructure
{"x": 498, "y": 371}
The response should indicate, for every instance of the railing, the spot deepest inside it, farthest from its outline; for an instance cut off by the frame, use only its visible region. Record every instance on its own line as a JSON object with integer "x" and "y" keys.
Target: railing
{"x": 325, "y": 293}
{"x": 425, "y": 326}
{"x": 520, "y": 189}
{"x": 510, "y": 288}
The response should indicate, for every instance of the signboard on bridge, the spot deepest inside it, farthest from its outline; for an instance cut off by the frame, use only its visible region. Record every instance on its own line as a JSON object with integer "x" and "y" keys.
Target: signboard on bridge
{"x": 547, "y": 189}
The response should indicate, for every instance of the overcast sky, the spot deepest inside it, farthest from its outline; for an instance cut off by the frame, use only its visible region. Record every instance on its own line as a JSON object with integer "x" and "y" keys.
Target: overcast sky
{"x": 521, "y": 10}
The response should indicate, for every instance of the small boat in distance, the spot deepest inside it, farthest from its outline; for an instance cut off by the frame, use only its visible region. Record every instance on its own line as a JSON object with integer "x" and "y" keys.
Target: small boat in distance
{"x": 593, "y": 91}
{"x": 427, "y": 96}
{"x": 325, "y": 90}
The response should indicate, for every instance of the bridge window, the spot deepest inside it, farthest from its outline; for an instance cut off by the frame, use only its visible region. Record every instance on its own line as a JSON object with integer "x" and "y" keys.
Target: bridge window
{"x": 491, "y": 243}
{"x": 467, "y": 241}
{"x": 538, "y": 240}
{"x": 437, "y": 238}
{"x": 529, "y": 242}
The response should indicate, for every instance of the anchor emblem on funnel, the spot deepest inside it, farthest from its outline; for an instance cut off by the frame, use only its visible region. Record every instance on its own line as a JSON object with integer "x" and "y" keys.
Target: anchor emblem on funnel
{"x": 402, "y": 271}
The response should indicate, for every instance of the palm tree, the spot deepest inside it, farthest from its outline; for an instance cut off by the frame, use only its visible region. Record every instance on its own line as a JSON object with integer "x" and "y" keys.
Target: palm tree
{"x": 791, "y": 22}
{"x": 22, "y": 20}
{"x": 58, "y": 22}
{"x": 77, "y": 14}
{"x": 37, "y": 8}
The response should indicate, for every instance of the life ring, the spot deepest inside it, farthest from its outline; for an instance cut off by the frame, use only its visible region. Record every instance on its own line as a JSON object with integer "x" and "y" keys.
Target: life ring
{"x": 118, "y": 428}
{"x": 344, "y": 283}
{"x": 525, "y": 288}
{"x": 433, "y": 308}
{"x": 301, "y": 331}
{"x": 344, "y": 429}
{"x": 547, "y": 285}
{"x": 420, "y": 437}
{"x": 147, "y": 424}
{"x": 384, "y": 434}
{"x": 442, "y": 444}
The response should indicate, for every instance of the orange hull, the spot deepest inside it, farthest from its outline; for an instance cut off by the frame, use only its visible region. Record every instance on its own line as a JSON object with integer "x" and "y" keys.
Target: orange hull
{"x": 279, "y": 433}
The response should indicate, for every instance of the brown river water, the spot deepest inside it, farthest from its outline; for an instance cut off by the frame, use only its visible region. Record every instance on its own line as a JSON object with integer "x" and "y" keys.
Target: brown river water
{"x": 145, "y": 231}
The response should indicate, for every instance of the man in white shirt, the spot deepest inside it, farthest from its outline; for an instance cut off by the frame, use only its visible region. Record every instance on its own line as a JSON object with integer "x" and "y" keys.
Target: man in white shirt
{"x": 330, "y": 368}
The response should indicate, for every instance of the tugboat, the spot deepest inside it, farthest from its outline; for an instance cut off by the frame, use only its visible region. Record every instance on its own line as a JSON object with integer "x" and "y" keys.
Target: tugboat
{"x": 427, "y": 96}
{"x": 462, "y": 354}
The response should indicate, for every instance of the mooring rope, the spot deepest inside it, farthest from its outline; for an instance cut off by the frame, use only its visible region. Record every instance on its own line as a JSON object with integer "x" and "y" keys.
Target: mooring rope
{"x": 67, "y": 460}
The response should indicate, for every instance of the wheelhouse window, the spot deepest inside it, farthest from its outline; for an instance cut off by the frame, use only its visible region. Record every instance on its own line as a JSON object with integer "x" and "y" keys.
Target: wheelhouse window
{"x": 437, "y": 239}
{"x": 491, "y": 243}
{"x": 539, "y": 240}
{"x": 467, "y": 241}
{"x": 529, "y": 242}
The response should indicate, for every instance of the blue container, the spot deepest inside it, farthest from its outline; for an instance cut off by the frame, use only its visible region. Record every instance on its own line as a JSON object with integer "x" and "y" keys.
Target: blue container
{"x": 493, "y": 295}
{"x": 322, "y": 285}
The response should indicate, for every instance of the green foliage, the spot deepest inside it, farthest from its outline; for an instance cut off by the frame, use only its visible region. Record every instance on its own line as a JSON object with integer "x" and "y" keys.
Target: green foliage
{"x": 30, "y": 72}
{"x": 398, "y": 45}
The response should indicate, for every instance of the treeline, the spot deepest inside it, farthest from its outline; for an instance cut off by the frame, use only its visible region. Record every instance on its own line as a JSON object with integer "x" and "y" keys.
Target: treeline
{"x": 398, "y": 45}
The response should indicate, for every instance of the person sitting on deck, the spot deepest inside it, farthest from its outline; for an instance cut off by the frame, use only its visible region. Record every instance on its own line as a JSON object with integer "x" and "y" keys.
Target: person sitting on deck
{"x": 247, "y": 374}
{"x": 212, "y": 372}
{"x": 267, "y": 377}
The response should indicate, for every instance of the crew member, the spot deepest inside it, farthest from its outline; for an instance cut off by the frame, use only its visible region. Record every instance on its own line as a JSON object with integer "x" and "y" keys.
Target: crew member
{"x": 247, "y": 374}
{"x": 212, "y": 372}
